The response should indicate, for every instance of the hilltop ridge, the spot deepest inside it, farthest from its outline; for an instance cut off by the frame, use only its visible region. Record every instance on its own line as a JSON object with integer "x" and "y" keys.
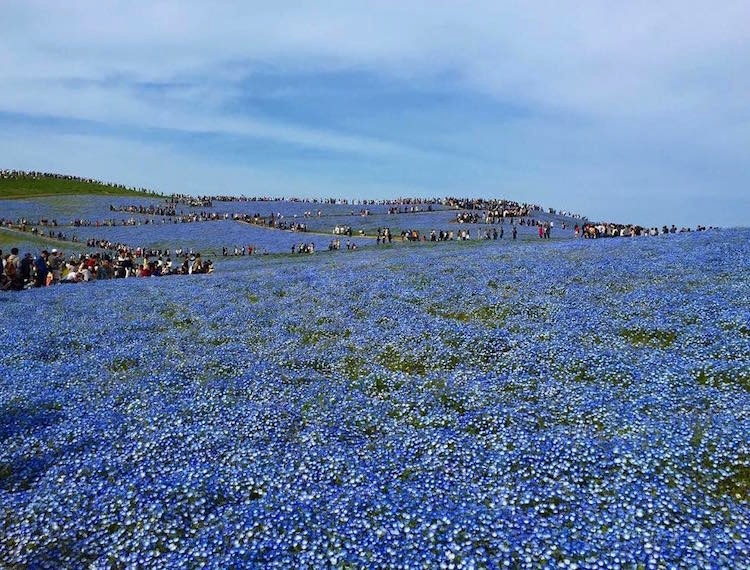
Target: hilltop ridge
{"x": 15, "y": 184}
{"x": 18, "y": 184}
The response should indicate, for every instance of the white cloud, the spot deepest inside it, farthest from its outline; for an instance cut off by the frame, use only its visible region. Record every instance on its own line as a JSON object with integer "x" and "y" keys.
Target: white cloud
{"x": 654, "y": 85}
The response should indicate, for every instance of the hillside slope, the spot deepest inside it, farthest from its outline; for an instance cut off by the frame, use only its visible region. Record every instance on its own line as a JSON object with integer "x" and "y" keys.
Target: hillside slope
{"x": 30, "y": 186}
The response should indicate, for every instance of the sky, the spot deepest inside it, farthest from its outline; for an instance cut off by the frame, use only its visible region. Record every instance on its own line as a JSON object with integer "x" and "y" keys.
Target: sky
{"x": 632, "y": 112}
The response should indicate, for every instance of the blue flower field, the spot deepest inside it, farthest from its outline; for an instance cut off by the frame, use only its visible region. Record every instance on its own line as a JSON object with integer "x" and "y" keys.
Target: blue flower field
{"x": 576, "y": 403}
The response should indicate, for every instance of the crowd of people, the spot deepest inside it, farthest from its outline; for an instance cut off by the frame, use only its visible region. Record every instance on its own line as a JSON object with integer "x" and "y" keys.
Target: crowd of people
{"x": 276, "y": 221}
{"x": 26, "y": 224}
{"x": 191, "y": 201}
{"x": 53, "y": 267}
{"x": 151, "y": 210}
{"x": 330, "y": 201}
{"x": 493, "y": 209}
{"x": 168, "y": 211}
{"x": 303, "y": 248}
{"x": 384, "y": 235}
{"x": 461, "y": 234}
{"x": 342, "y": 230}
{"x": 410, "y": 208}
{"x": 335, "y": 245}
{"x": 604, "y": 230}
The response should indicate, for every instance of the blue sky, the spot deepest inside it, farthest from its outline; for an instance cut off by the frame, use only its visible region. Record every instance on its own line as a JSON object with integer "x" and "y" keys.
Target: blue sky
{"x": 632, "y": 112}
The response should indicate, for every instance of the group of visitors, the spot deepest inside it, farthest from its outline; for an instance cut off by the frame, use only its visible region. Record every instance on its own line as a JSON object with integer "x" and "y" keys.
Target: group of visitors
{"x": 170, "y": 212}
{"x": 60, "y": 236}
{"x": 602, "y": 230}
{"x": 461, "y": 234}
{"x": 228, "y": 198}
{"x": 464, "y": 234}
{"x": 276, "y": 221}
{"x": 46, "y": 228}
{"x": 330, "y": 201}
{"x": 54, "y": 267}
{"x": 303, "y": 248}
{"x": 384, "y": 235}
{"x": 488, "y": 217}
{"x": 151, "y": 210}
{"x": 191, "y": 201}
{"x": 410, "y": 208}
{"x": 238, "y": 251}
{"x": 335, "y": 245}
{"x": 342, "y": 230}
{"x": 493, "y": 209}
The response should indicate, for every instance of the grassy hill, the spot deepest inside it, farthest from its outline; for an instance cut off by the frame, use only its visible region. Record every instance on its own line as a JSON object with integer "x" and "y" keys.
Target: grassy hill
{"x": 33, "y": 186}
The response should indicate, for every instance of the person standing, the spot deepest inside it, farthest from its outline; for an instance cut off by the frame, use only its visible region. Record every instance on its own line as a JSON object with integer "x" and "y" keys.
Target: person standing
{"x": 10, "y": 274}
{"x": 13, "y": 270}
{"x": 40, "y": 265}
{"x": 26, "y": 264}
{"x": 54, "y": 265}
{"x": 515, "y": 231}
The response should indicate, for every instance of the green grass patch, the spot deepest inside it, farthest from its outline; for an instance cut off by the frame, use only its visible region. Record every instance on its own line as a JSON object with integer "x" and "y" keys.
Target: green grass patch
{"x": 743, "y": 330}
{"x": 28, "y": 187}
{"x": 177, "y": 316}
{"x": 21, "y": 240}
{"x": 653, "y": 338}
{"x": 491, "y": 315}
{"x": 723, "y": 378}
{"x": 123, "y": 364}
{"x": 313, "y": 336}
{"x": 579, "y": 372}
{"x": 352, "y": 366}
{"x": 397, "y": 361}
{"x": 737, "y": 485}
{"x": 445, "y": 313}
